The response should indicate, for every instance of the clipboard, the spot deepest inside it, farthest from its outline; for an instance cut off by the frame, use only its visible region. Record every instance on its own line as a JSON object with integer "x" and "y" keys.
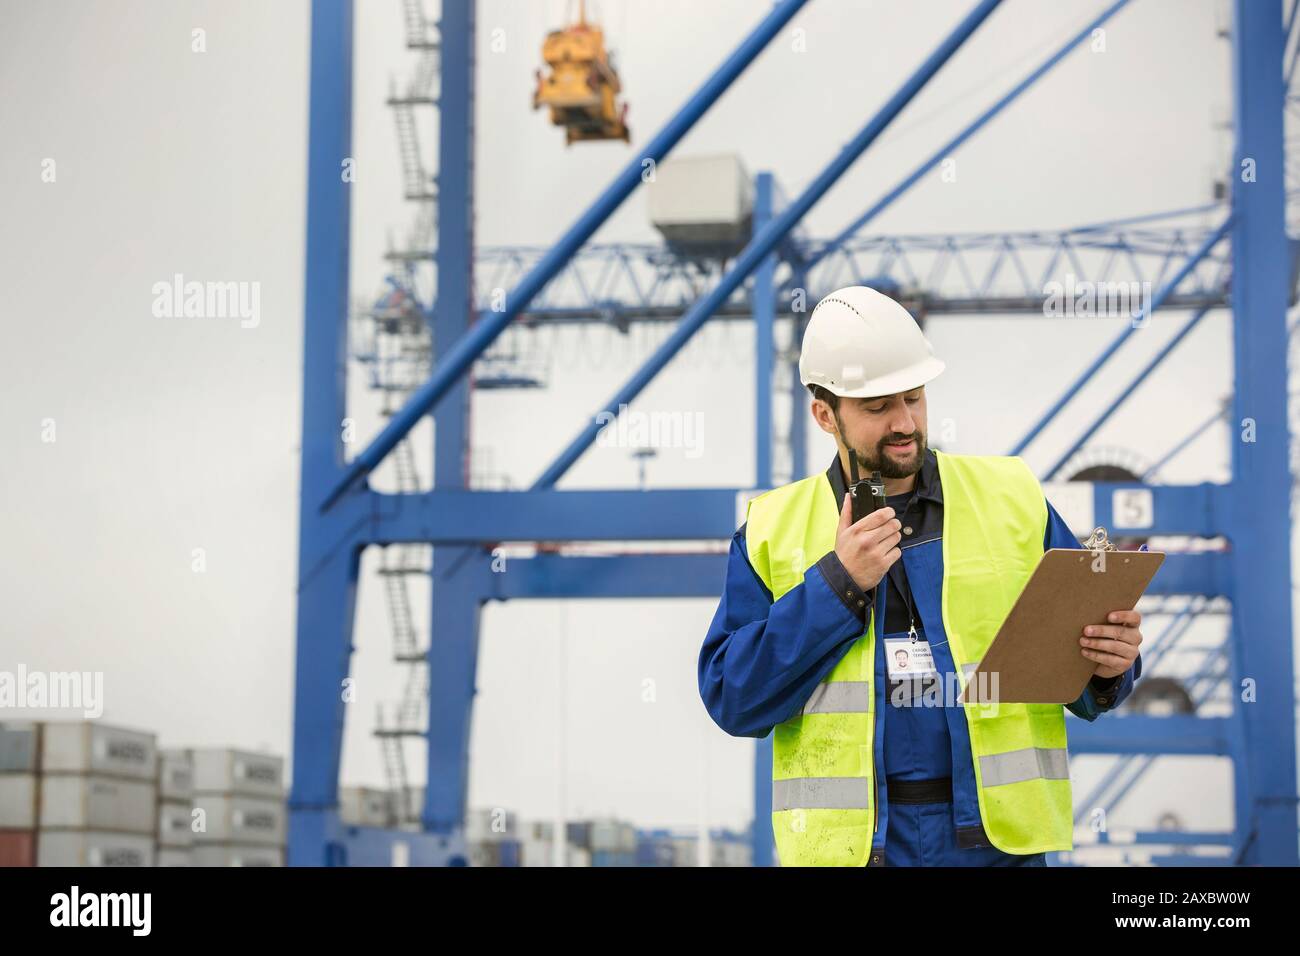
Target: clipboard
{"x": 1035, "y": 654}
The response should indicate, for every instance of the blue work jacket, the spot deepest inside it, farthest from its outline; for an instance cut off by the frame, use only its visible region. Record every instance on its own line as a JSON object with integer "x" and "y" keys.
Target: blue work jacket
{"x": 761, "y": 660}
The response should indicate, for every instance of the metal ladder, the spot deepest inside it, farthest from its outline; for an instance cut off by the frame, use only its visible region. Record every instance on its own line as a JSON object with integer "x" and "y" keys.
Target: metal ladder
{"x": 408, "y": 718}
{"x": 411, "y": 358}
{"x": 417, "y": 183}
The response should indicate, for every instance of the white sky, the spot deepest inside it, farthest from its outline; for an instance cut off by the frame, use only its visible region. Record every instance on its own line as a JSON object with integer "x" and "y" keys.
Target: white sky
{"x": 176, "y": 434}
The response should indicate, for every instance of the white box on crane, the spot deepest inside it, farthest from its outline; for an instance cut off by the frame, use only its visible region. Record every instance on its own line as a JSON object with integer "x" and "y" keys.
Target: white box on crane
{"x": 702, "y": 204}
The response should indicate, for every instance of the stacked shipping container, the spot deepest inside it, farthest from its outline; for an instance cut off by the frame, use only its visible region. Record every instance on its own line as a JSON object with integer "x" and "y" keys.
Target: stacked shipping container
{"x": 88, "y": 794}
{"x": 19, "y": 764}
{"x": 240, "y": 814}
{"x": 493, "y": 838}
{"x": 175, "y": 809}
{"x": 97, "y": 795}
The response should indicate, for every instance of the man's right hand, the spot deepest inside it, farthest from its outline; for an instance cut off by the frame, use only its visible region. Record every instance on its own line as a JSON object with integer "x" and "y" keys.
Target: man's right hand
{"x": 868, "y": 547}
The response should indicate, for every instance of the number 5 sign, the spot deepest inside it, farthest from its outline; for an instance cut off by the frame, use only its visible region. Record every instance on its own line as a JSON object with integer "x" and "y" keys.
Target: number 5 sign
{"x": 1133, "y": 508}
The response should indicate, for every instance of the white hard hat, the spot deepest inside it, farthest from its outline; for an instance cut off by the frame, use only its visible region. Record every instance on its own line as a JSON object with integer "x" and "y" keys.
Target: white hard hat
{"x": 862, "y": 344}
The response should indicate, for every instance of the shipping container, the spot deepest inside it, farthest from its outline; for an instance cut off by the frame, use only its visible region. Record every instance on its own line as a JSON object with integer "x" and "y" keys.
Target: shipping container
{"x": 91, "y": 848}
{"x": 239, "y": 820}
{"x": 17, "y": 847}
{"x": 175, "y": 775}
{"x": 612, "y": 835}
{"x": 534, "y": 852}
{"x": 84, "y": 747}
{"x": 19, "y": 746}
{"x": 732, "y": 853}
{"x": 613, "y": 858}
{"x": 414, "y": 801}
{"x": 366, "y": 807}
{"x": 174, "y": 856}
{"x": 509, "y": 853}
{"x": 537, "y": 830}
{"x": 226, "y": 854}
{"x": 18, "y": 801}
{"x": 685, "y": 852}
{"x": 654, "y": 852}
{"x": 604, "y": 836}
{"x": 490, "y": 824}
{"x": 95, "y": 802}
{"x": 578, "y": 856}
{"x": 175, "y": 824}
{"x": 227, "y": 771}
{"x": 579, "y": 834}
{"x": 485, "y": 853}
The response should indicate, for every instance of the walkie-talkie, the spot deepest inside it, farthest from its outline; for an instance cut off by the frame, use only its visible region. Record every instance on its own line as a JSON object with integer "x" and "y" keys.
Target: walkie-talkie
{"x": 868, "y": 493}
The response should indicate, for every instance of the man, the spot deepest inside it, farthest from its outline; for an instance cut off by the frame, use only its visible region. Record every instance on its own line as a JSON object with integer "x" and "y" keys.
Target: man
{"x": 818, "y": 612}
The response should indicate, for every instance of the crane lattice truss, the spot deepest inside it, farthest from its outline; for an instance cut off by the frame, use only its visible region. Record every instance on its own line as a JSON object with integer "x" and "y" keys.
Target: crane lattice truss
{"x": 1189, "y": 258}
{"x": 620, "y": 283}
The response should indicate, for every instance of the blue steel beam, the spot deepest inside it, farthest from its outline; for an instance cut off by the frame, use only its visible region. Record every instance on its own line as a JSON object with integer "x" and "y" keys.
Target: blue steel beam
{"x": 956, "y": 142}
{"x": 1174, "y": 838}
{"x": 764, "y": 344}
{"x": 1189, "y": 859}
{"x": 454, "y": 299}
{"x": 374, "y": 846}
{"x": 462, "y": 517}
{"x": 1111, "y": 224}
{"x": 452, "y": 653}
{"x": 1140, "y": 734}
{"x": 326, "y": 612}
{"x": 676, "y": 574}
{"x": 1261, "y": 502}
{"x": 1120, "y": 339}
{"x": 687, "y": 514}
{"x": 453, "y": 664}
{"x": 624, "y": 576}
{"x": 767, "y": 240}
{"x": 461, "y": 355}
{"x": 1126, "y": 391}
{"x": 1201, "y": 509}
{"x": 327, "y": 572}
{"x": 1207, "y": 572}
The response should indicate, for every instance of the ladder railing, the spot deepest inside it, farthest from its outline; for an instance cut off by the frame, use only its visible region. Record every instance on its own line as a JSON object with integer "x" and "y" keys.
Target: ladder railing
{"x": 419, "y": 30}
{"x": 417, "y": 184}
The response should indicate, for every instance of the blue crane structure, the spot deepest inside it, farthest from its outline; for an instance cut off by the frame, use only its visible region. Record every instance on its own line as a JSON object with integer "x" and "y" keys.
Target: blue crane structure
{"x": 1241, "y": 259}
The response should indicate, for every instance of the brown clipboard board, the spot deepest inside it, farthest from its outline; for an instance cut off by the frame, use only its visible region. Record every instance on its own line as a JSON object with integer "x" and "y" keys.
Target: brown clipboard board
{"x": 1036, "y": 653}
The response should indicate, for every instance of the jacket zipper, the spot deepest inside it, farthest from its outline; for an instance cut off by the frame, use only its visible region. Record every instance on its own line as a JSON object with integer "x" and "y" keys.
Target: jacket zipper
{"x": 875, "y": 771}
{"x": 875, "y": 826}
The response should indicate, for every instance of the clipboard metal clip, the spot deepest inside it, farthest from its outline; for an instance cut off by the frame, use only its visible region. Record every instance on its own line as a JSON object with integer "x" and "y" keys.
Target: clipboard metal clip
{"x": 1099, "y": 541}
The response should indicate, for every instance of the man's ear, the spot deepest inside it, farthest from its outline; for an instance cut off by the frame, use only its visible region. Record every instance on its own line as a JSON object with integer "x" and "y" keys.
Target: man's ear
{"x": 825, "y": 418}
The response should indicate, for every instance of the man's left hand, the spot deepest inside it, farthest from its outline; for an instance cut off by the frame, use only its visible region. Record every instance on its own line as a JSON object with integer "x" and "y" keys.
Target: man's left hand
{"x": 1114, "y": 646}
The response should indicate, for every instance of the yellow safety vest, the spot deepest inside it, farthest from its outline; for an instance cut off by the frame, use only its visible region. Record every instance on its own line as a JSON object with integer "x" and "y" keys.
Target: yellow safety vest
{"x": 824, "y": 786}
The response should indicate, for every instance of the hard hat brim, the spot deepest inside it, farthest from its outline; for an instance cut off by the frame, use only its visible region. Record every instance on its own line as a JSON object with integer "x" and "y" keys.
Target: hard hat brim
{"x": 902, "y": 380}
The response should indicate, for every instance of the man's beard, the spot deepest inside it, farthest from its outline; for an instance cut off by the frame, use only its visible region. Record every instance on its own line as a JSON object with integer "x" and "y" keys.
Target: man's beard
{"x": 889, "y": 466}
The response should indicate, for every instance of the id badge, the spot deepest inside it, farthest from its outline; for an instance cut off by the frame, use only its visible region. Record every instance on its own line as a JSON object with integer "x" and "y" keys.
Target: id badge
{"x": 905, "y": 658}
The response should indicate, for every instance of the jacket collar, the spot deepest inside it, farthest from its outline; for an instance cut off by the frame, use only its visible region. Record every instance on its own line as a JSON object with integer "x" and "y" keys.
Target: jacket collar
{"x": 928, "y": 486}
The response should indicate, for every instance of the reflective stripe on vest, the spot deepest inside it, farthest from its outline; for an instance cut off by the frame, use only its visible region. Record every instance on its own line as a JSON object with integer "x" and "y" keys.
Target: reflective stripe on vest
{"x": 821, "y": 793}
{"x": 824, "y": 786}
{"x": 1027, "y": 764}
{"x": 840, "y": 697}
